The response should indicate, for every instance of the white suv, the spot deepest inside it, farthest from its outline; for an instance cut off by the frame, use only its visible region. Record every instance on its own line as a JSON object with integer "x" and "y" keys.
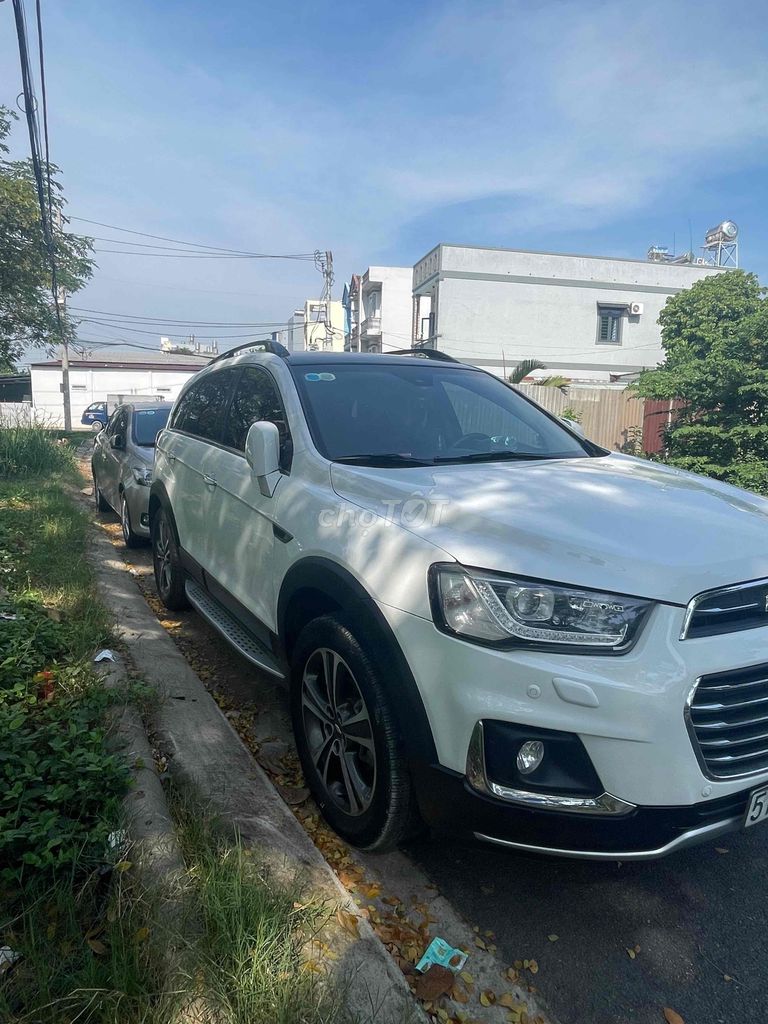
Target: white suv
{"x": 485, "y": 621}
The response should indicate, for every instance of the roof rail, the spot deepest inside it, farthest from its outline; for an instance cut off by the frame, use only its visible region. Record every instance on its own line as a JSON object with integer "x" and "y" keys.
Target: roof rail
{"x": 267, "y": 345}
{"x": 424, "y": 353}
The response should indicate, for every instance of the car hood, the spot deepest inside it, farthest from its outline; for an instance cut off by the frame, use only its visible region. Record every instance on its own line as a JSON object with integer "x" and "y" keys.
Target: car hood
{"x": 612, "y": 523}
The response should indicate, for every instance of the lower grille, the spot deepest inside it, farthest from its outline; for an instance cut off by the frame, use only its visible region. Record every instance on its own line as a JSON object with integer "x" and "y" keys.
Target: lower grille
{"x": 729, "y": 717}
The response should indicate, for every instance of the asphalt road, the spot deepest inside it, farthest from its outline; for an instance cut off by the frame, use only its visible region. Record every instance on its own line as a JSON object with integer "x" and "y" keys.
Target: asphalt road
{"x": 696, "y": 916}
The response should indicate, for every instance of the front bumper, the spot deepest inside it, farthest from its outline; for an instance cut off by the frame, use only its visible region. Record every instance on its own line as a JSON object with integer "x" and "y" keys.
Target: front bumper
{"x": 629, "y": 712}
{"x": 647, "y": 833}
{"x": 137, "y": 496}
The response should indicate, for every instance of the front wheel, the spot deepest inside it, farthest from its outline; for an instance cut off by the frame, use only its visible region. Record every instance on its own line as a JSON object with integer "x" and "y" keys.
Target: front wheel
{"x": 132, "y": 540}
{"x": 102, "y": 505}
{"x": 347, "y": 738}
{"x": 169, "y": 574}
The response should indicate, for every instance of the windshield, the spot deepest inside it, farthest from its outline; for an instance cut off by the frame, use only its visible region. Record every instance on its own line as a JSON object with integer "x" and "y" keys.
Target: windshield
{"x": 147, "y": 424}
{"x": 422, "y": 415}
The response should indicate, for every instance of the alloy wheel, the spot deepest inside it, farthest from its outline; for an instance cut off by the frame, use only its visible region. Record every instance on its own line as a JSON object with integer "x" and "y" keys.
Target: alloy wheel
{"x": 162, "y": 552}
{"x": 339, "y": 731}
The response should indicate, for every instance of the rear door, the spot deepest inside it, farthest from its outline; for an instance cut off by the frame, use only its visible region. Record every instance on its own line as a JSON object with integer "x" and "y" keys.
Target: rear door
{"x": 242, "y": 537}
{"x": 190, "y": 447}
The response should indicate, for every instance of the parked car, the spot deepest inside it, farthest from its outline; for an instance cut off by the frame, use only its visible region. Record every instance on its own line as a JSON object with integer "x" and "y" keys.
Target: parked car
{"x": 95, "y": 415}
{"x": 486, "y": 621}
{"x": 121, "y": 463}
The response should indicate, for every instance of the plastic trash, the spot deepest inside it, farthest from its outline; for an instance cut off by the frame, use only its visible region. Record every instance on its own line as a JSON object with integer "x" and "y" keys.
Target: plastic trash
{"x": 8, "y": 616}
{"x": 105, "y": 655}
{"x": 439, "y": 952}
{"x": 8, "y": 958}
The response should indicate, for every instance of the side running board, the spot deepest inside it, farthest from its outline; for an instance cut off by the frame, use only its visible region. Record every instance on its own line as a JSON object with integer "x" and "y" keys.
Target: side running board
{"x": 241, "y": 639}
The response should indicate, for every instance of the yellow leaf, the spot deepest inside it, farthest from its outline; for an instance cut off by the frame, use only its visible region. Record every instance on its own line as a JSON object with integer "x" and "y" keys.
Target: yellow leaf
{"x": 348, "y": 922}
{"x": 123, "y": 865}
{"x": 50, "y": 931}
{"x": 553, "y": 938}
{"x": 487, "y": 998}
{"x": 533, "y": 967}
{"x": 467, "y": 978}
{"x": 479, "y": 942}
{"x": 672, "y": 1016}
{"x": 512, "y": 974}
{"x": 97, "y": 946}
{"x": 141, "y": 935}
{"x": 508, "y": 1000}
{"x": 631, "y": 954}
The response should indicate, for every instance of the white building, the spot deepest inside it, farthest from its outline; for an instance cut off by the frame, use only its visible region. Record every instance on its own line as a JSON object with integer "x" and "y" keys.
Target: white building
{"x": 586, "y": 317}
{"x": 92, "y": 380}
{"x": 379, "y": 309}
{"x": 307, "y": 329}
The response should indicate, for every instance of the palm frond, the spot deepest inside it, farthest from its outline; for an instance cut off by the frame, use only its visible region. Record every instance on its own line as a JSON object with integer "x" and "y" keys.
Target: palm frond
{"x": 524, "y": 368}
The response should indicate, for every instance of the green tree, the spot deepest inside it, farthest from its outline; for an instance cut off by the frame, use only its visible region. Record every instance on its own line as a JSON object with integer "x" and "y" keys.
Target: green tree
{"x": 27, "y": 313}
{"x": 526, "y": 367}
{"x": 715, "y": 340}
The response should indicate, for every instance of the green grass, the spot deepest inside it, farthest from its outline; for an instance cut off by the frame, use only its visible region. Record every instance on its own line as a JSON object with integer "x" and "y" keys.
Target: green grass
{"x": 31, "y": 451}
{"x": 93, "y": 940}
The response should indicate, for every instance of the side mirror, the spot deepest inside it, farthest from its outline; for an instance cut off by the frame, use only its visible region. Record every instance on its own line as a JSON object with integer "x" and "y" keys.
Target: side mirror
{"x": 117, "y": 441}
{"x": 262, "y": 452}
{"x": 575, "y": 427}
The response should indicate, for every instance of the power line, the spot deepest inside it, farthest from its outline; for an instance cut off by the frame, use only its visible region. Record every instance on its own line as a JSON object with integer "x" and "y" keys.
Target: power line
{"x": 196, "y": 245}
{"x": 172, "y": 320}
{"x": 185, "y": 334}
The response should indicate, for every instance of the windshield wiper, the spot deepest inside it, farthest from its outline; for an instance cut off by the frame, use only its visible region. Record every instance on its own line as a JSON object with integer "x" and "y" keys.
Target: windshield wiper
{"x": 385, "y": 459}
{"x": 493, "y": 457}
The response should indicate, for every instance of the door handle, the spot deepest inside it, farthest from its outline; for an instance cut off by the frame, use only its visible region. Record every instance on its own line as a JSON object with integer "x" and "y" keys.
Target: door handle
{"x": 210, "y": 481}
{"x": 171, "y": 457}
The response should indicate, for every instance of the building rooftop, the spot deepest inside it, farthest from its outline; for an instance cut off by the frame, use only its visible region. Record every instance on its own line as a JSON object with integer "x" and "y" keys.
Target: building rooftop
{"x": 150, "y": 359}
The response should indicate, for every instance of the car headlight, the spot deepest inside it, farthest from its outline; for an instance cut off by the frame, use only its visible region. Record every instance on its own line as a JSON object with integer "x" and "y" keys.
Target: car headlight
{"x": 505, "y": 611}
{"x": 142, "y": 475}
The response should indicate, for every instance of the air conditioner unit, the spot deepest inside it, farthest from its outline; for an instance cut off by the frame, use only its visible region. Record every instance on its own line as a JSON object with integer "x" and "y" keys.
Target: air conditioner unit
{"x": 636, "y": 308}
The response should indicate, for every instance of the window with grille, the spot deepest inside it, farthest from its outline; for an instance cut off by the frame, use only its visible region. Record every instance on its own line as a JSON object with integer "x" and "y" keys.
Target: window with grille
{"x": 609, "y": 324}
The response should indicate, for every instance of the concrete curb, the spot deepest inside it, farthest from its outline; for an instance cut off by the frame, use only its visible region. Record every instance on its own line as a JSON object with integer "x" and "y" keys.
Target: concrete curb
{"x": 206, "y": 752}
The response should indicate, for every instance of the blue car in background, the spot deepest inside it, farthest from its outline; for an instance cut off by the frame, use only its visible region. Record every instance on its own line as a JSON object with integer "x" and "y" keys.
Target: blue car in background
{"x": 95, "y": 414}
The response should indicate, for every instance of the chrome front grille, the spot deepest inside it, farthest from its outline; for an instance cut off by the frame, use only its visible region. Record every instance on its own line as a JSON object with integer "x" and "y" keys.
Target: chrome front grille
{"x": 728, "y": 610}
{"x": 728, "y": 714}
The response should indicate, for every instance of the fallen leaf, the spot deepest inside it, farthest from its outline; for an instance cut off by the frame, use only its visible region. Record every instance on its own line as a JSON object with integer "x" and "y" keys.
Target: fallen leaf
{"x": 672, "y": 1016}
{"x": 293, "y": 795}
{"x": 467, "y": 978}
{"x": 553, "y": 938}
{"x": 435, "y": 982}
{"x": 720, "y": 849}
{"x": 487, "y": 998}
{"x": 727, "y": 977}
{"x": 123, "y": 865}
{"x": 508, "y": 1000}
{"x": 349, "y": 922}
{"x": 631, "y": 954}
{"x": 533, "y": 967}
{"x": 480, "y": 943}
{"x": 97, "y": 946}
{"x": 141, "y": 935}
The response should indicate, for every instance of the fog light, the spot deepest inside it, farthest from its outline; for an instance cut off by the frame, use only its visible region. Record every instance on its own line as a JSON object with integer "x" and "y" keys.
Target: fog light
{"x": 145, "y": 518}
{"x": 530, "y": 756}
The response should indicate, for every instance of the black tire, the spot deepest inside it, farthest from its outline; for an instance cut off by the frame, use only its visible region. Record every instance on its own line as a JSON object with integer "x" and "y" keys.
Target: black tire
{"x": 363, "y": 786}
{"x": 102, "y": 505}
{"x": 132, "y": 540}
{"x": 169, "y": 575}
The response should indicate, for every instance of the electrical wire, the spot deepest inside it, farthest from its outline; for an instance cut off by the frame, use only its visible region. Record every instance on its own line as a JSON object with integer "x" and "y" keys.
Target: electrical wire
{"x": 171, "y": 320}
{"x": 196, "y": 245}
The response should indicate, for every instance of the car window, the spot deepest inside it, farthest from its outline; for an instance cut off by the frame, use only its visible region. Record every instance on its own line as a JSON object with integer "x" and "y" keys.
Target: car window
{"x": 147, "y": 424}
{"x": 202, "y": 407}
{"x": 256, "y": 398}
{"x": 117, "y": 422}
{"x": 482, "y": 414}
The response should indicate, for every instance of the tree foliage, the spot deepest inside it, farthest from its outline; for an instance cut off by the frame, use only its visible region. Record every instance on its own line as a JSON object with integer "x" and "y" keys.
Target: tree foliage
{"x": 27, "y": 313}
{"x": 715, "y": 339}
{"x": 526, "y": 367}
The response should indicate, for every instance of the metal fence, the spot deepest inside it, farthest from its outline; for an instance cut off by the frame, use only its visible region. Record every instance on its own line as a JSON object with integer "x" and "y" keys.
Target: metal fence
{"x": 609, "y": 416}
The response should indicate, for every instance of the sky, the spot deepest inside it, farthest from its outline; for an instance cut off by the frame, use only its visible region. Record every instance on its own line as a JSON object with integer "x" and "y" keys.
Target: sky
{"x": 377, "y": 131}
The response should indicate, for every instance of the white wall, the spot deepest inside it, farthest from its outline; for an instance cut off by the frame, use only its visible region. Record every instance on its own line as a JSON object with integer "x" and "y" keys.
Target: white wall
{"x": 93, "y": 385}
{"x": 497, "y": 306}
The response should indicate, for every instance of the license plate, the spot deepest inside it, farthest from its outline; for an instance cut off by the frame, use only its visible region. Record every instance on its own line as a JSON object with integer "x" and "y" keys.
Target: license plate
{"x": 757, "y": 809}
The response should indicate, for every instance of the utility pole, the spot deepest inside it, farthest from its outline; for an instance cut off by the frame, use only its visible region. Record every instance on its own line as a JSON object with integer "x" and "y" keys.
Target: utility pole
{"x": 324, "y": 263}
{"x": 60, "y": 300}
